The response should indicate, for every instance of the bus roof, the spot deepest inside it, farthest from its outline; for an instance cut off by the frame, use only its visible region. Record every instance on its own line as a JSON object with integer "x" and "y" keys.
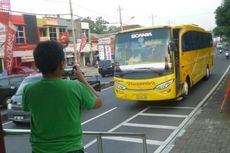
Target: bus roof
{"x": 187, "y": 26}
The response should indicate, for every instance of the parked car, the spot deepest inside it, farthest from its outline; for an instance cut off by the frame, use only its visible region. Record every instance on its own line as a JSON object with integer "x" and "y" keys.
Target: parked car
{"x": 15, "y": 112}
{"x": 106, "y": 67}
{"x": 23, "y": 70}
{"x": 8, "y": 87}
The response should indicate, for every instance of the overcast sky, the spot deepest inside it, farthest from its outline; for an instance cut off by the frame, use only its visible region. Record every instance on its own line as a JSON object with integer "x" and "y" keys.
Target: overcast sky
{"x": 142, "y": 12}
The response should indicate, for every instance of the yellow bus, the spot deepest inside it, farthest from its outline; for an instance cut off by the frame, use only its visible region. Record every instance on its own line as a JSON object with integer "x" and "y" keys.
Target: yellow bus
{"x": 161, "y": 63}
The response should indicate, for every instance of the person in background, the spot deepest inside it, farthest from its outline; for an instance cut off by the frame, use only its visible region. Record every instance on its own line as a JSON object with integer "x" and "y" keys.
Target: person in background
{"x": 55, "y": 104}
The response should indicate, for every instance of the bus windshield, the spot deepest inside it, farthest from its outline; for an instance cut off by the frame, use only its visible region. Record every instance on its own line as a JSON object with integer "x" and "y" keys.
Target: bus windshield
{"x": 143, "y": 54}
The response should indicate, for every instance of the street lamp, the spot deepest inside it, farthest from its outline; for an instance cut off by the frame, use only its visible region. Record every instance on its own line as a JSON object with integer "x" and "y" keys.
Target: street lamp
{"x": 129, "y": 19}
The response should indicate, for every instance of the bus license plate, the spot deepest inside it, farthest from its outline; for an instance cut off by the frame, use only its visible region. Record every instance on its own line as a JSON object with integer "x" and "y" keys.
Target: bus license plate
{"x": 141, "y": 97}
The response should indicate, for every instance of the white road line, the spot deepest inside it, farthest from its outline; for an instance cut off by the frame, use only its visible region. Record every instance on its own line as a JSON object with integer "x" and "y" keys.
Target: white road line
{"x": 134, "y": 140}
{"x": 107, "y": 88}
{"x": 7, "y": 123}
{"x": 164, "y": 115}
{"x": 186, "y": 120}
{"x": 150, "y": 126}
{"x": 98, "y": 116}
{"x": 116, "y": 127}
{"x": 173, "y": 107}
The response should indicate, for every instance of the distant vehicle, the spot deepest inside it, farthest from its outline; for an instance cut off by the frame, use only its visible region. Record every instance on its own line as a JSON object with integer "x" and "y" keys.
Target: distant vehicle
{"x": 23, "y": 70}
{"x": 219, "y": 45}
{"x": 227, "y": 54}
{"x": 8, "y": 87}
{"x": 161, "y": 63}
{"x": 106, "y": 67}
{"x": 15, "y": 112}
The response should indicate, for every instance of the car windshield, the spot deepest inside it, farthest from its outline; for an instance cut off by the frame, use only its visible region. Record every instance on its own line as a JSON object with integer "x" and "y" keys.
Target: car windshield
{"x": 143, "y": 54}
{"x": 27, "y": 81}
{"x": 105, "y": 63}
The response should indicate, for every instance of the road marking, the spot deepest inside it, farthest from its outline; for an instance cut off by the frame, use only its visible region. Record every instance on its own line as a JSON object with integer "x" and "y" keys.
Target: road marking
{"x": 116, "y": 127}
{"x": 173, "y": 107}
{"x": 150, "y": 126}
{"x": 134, "y": 140}
{"x": 98, "y": 116}
{"x": 107, "y": 88}
{"x": 192, "y": 114}
{"x": 7, "y": 123}
{"x": 164, "y": 115}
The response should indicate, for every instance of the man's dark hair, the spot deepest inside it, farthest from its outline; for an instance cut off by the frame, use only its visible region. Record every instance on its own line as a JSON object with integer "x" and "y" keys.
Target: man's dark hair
{"x": 48, "y": 55}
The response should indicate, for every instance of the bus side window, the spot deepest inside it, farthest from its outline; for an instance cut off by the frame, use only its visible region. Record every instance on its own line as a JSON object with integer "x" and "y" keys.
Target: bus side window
{"x": 187, "y": 42}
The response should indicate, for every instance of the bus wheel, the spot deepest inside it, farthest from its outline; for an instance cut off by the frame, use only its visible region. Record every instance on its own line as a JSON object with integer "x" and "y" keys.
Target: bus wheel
{"x": 186, "y": 88}
{"x": 207, "y": 74}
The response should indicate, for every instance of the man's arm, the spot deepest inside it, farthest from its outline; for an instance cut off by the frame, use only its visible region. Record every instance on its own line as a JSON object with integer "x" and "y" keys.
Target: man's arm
{"x": 81, "y": 78}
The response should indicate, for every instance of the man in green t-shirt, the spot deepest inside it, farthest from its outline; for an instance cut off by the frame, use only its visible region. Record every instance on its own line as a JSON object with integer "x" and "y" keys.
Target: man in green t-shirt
{"x": 55, "y": 104}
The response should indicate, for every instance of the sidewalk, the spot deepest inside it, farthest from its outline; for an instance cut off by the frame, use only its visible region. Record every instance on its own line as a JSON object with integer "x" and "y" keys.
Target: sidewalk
{"x": 209, "y": 133}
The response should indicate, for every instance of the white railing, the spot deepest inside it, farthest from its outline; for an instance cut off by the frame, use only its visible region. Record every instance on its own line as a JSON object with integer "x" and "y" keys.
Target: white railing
{"x": 98, "y": 135}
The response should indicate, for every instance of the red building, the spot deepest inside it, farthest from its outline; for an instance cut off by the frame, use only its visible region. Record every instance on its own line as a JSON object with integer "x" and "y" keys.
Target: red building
{"x": 25, "y": 41}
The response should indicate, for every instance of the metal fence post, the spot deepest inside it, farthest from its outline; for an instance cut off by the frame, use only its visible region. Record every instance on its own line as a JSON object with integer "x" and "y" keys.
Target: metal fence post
{"x": 99, "y": 144}
{"x": 2, "y": 144}
{"x": 144, "y": 144}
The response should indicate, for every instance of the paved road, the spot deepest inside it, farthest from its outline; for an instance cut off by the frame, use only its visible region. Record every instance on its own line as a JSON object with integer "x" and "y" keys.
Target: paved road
{"x": 158, "y": 120}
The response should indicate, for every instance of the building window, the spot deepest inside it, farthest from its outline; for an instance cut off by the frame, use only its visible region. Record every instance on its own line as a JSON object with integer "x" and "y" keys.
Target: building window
{"x": 20, "y": 36}
{"x": 53, "y": 33}
{"x": 61, "y": 30}
{"x": 43, "y": 32}
{"x": 70, "y": 33}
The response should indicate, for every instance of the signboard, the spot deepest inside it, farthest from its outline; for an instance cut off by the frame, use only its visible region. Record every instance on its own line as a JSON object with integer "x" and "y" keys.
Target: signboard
{"x": 104, "y": 41}
{"x": 5, "y": 5}
{"x": 2, "y": 39}
{"x": 51, "y": 21}
{"x": 8, "y": 50}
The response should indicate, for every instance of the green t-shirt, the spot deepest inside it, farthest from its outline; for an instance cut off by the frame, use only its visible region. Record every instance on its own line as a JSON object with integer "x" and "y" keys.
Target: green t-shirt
{"x": 55, "y": 106}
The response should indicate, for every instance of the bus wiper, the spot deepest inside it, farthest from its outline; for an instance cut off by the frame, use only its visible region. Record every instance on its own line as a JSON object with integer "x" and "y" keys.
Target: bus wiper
{"x": 149, "y": 69}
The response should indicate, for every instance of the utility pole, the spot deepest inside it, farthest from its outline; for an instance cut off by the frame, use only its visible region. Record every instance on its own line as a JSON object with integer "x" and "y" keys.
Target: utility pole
{"x": 152, "y": 17}
{"x": 121, "y": 25}
{"x": 73, "y": 32}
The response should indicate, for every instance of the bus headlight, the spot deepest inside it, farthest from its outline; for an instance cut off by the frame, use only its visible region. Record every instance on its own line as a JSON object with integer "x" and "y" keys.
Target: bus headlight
{"x": 164, "y": 85}
{"x": 119, "y": 86}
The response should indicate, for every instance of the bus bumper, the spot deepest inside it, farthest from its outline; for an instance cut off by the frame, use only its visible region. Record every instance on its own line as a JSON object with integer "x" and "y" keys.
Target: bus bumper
{"x": 145, "y": 95}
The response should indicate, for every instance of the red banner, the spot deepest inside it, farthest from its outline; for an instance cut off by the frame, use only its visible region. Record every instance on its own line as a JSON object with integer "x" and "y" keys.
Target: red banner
{"x": 83, "y": 42}
{"x": 8, "y": 50}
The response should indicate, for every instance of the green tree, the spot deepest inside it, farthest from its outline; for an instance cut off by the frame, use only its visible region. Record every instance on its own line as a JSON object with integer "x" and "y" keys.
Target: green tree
{"x": 223, "y": 20}
{"x": 99, "y": 26}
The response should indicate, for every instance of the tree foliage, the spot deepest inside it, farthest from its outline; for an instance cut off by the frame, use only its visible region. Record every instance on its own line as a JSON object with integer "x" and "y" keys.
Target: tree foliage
{"x": 99, "y": 26}
{"x": 223, "y": 20}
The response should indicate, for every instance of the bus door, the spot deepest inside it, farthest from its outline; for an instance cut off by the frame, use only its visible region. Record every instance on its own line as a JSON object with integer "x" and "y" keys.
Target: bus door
{"x": 176, "y": 52}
